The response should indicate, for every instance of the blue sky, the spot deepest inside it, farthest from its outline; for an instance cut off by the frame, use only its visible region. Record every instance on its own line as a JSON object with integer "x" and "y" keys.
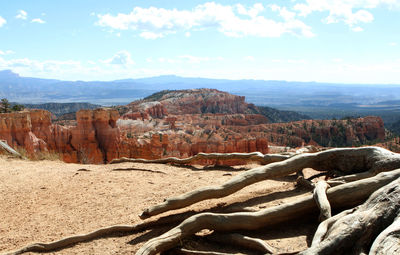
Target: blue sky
{"x": 345, "y": 41}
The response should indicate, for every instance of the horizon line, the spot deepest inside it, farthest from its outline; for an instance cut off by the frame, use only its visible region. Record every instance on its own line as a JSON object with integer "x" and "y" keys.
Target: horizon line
{"x": 205, "y": 78}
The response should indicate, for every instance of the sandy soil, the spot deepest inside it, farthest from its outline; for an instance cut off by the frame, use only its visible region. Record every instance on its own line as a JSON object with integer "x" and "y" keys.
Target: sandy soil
{"x": 42, "y": 201}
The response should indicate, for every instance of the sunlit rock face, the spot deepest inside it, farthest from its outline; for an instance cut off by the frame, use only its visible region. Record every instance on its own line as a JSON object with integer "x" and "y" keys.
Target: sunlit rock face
{"x": 93, "y": 139}
{"x": 179, "y": 124}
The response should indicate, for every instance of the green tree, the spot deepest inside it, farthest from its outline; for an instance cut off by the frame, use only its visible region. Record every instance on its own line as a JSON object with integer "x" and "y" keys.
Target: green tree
{"x": 18, "y": 107}
{"x": 4, "y": 106}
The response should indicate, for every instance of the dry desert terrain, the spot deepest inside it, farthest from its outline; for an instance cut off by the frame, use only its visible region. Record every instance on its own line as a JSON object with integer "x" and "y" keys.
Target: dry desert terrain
{"x": 42, "y": 201}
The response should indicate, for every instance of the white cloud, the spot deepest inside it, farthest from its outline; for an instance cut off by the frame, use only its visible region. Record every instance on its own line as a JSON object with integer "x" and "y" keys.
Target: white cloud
{"x": 7, "y": 52}
{"x": 297, "y": 61}
{"x": 21, "y": 14}
{"x": 40, "y": 21}
{"x": 194, "y": 59}
{"x": 252, "y": 11}
{"x": 67, "y": 70}
{"x": 283, "y": 12}
{"x": 231, "y": 20}
{"x": 151, "y": 35}
{"x": 393, "y": 44}
{"x": 357, "y": 29}
{"x": 290, "y": 61}
{"x": 351, "y": 12}
{"x": 2, "y": 21}
{"x": 249, "y": 58}
{"x": 187, "y": 59}
{"x": 303, "y": 9}
{"x": 350, "y": 18}
{"x": 295, "y": 26}
{"x": 25, "y": 65}
{"x": 121, "y": 58}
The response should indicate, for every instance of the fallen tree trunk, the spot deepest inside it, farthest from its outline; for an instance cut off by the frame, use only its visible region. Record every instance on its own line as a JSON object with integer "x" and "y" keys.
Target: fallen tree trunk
{"x": 347, "y": 160}
{"x": 252, "y": 156}
{"x": 349, "y": 194}
{"x": 354, "y": 231}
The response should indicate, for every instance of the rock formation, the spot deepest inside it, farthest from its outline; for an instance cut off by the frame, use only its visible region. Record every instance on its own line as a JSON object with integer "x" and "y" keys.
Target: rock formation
{"x": 93, "y": 139}
{"x": 176, "y": 123}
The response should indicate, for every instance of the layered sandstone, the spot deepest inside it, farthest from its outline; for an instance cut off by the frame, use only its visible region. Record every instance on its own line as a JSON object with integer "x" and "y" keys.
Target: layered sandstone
{"x": 93, "y": 139}
{"x": 180, "y": 124}
{"x": 326, "y": 133}
{"x": 194, "y": 101}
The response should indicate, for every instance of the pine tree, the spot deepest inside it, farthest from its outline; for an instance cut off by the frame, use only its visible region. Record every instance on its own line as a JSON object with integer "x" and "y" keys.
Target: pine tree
{"x": 4, "y": 106}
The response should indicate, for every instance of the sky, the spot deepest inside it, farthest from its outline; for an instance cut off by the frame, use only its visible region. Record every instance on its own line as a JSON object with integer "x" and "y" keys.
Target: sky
{"x": 338, "y": 41}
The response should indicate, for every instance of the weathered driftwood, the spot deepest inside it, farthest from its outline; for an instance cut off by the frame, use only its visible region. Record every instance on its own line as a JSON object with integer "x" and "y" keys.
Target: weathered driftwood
{"x": 321, "y": 199}
{"x": 388, "y": 241}
{"x": 338, "y": 196}
{"x": 110, "y": 230}
{"x": 303, "y": 182}
{"x": 101, "y": 232}
{"x": 247, "y": 242}
{"x": 139, "y": 170}
{"x": 355, "y": 163}
{"x": 347, "y": 160}
{"x": 252, "y": 156}
{"x": 9, "y": 149}
{"x": 239, "y": 240}
{"x": 355, "y": 230}
{"x": 192, "y": 252}
{"x": 51, "y": 246}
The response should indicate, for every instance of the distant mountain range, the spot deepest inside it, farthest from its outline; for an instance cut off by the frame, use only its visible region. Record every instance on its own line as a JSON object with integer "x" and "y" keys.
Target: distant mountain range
{"x": 259, "y": 92}
{"x": 318, "y": 100}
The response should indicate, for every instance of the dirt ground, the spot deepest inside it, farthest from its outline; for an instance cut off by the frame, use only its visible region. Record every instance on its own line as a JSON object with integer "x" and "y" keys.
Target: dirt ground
{"x": 43, "y": 201}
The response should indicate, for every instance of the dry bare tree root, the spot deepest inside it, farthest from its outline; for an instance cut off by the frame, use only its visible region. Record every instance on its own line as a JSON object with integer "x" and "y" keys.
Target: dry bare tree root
{"x": 9, "y": 149}
{"x": 102, "y": 232}
{"x": 348, "y": 194}
{"x": 323, "y": 226}
{"x": 247, "y": 242}
{"x": 110, "y": 230}
{"x": 388, "y": 241}
{"x": 140, "y": 170}
{"x": 303, "y": 182}
{"x": 45, "y": 247}
{"x": 192, "y": 252}
{"x": 321, "y": 199}
{"x": 354, "y": 232}
{"x": 253, "y": 156}
{"x": 347, "y": 160}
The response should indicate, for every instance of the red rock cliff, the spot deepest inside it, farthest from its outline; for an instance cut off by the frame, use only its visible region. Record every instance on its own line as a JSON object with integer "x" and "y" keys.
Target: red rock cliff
{"x": 194, "y": 101}
{"x": 94, "y": 139}
{"x": 179, "y": 124}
